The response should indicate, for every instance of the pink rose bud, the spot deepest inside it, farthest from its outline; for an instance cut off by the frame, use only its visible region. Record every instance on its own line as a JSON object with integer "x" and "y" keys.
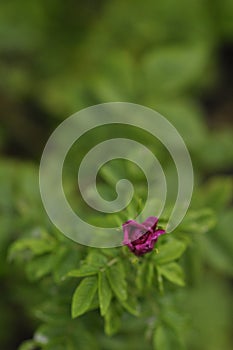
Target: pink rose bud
{"x": 141, "y": 238}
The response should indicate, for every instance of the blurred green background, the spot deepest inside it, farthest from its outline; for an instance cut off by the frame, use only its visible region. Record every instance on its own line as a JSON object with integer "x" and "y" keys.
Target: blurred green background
{"x": 173, "y": 56}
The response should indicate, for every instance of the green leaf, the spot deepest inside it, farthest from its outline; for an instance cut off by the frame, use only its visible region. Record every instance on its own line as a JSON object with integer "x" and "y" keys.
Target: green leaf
{"x": 145, "y": 274}
{"x": 50, "y": 336}
{"x": 96, "y": 259}
{"x": 131, "y": 306}
{"x": 28, "y": 345}
{"x": 172, "y": 69}
{"x": 83, "y": 271}
{"x": 222, "y": 231}
{"x": 116, "y": 277}
{"x": 105, "y": 293}
{"x": 219, "y": 141}
{"x": 92, "y": 265}
{"x": 141, "y": 275}
{"x": 160, "y": 339}
{"x": 37, "y": 246}
{"x": 40, "y": 266}
{"x": 160, "y": 281}
{"x": 66, "y": 260}
{"x": 199, "y": 221}
{"x": 217, "y": 256}
{"x": 170, "y": 251}
{"x": 110, "y": 252}
{"x": 218, "y": 192}
{"x": 172, "y": 272}
{"x": 112, "y": 320}
{"x": 150, "y": 273}
{"x": 83, "y": 296}
{"x": 95, "y": 303}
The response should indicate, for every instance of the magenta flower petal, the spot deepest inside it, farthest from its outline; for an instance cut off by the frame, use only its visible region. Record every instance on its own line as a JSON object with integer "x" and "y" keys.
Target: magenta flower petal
{"x": 141, "y": 238}
{"x": 150, "y": 222}
{"x": 133, "y": 230}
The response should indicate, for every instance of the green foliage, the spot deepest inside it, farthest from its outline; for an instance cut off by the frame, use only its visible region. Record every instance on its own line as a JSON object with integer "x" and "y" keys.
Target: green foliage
{"x": 172, "y": 272}
{"x": 42, "y": 243}
{"x": 116, "y": 277}
{"x": 169, "y": 251}
{"x": 183, "y": 65}
{"x": 58, "y": 58}
{"x": 161, "y": 340}
{"x": 83, "y": 296}
{"x": 112, "y": 320}
{"x": 112, "y": 281}
{"x": 105, "y": 293}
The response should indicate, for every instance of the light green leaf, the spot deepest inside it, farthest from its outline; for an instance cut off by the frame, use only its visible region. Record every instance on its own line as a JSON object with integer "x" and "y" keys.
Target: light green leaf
{"x": 83, "y": 296}
{"x": 141, "y": 275}
{"x": 110, "y": 252}
{"x": 220, "y": 143}
{"x": 95, "y": 303}
{"x": 28, "y": 345}
{"x": 174, "y": 68}
{"x": 199, "y": 221}
{"x": 83, "y": 271}
{"x": 160, "y": 281}
{"x": 217, "y": 256}
{"x": 131, "y": 306}
{"x": 116, "y": 277}
{"x": 145, "y": 275}
{"x": 36, "y": 245}
{"x": 105, "y": 293}
{"x": 96, "y": 259}
{"x": 170, "y": 251}
{"x": 66, "y": 260}
{"x": 40, "y": 266}
{"x": 150, "y": 274}
{"x": 112, "y": 320}
{"x": 92, "y": 265}
{"x": 218, "y": 192}
{"x": 160, "y": 339}
{"x": 172, "y": 272}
